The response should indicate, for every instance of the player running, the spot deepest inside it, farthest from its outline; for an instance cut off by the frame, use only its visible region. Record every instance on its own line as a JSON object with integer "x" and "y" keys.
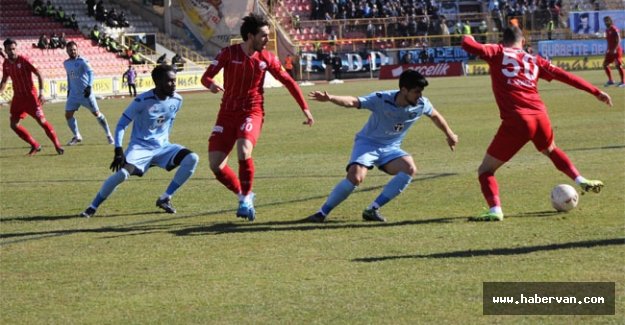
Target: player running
{"x": 613, "y": 53}
{"x": 25, "y": 99}
{"x": 378, "y": 143}
{"x": 152, "y": 114}
{"x": 514, "y": 74}
{"x": 241, "y": 114}
{"x": 79, "y": 83}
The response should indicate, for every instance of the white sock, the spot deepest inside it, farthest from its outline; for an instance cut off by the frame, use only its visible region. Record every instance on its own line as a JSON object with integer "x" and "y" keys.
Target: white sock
{"x": 580, "y": 179}
{"x": 495, "y": 209}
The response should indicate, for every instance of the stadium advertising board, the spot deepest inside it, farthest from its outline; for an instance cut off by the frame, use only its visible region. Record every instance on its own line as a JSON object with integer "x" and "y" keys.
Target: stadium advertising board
{"x": 438, "y": 54}
{"x": 591, "y": 22}
{"x": 595, "y": 47}
{"x": 443, "y": 69}
{"x": 352, "y": 62}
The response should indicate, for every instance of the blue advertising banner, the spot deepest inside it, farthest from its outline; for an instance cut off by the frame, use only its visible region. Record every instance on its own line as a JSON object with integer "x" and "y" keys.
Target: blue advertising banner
{"x": 591, "y": 22}
{"x": 574, "y": 47}
{"x": 436, "y": 54}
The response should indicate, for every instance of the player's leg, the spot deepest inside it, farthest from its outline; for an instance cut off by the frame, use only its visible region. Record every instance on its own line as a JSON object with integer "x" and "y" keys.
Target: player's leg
{"x": 510, "y": 138}
{"x": 17, "y": 114}
{"x": 403, "y": 169}
{"x": 544, "y": 142}
{"x": 39, "y": 116}
{"x": 248, "y": 132}
{"x": 220, "y": 144}
{"x": 138, "y": 160}
{"x": 619, "y": 67}
{"x": 606, "y": 68}
{"x": 363, "y": 158}
{"x": 183, "y": 158}
{"x": 92, "y": 105}
{"x": 71, "y": 106}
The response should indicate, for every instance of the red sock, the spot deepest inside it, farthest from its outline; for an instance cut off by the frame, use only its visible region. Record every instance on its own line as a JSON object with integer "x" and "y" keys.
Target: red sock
{"x": 51, "y": 134}
{"x": 490, "y": 189}
{"x": 24, "y": 135}
{"x": 227, "y": 177}
{"x": 563, "y": 163}
{"x": 246, "y": 175}
{"x": 608, "y": 72}
{"x": 620, "y": 73}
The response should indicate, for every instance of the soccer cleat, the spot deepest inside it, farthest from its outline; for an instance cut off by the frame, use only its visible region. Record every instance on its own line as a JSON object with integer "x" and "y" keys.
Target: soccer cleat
{"x": 315, "y": 218}
{"x": 166, "y": 205}
{"x": 88, "y": 213}
{"x": 34, "y": 150}
{"x": 246, "y": 209}
{"x": 373, "y": 215}
{"x": 609, "y": 83}
{"x": 60, "y": 150}
{"x": 110, "y": 140}
{"x": 621, "y": 85}
{"x": 592, "y": 186}
{"x": 74, "y": 141}
{"x": 488, "y": 216}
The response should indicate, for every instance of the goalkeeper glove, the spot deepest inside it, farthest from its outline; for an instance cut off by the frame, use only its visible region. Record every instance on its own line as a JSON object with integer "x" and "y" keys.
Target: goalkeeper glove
{"x": 119, "y": 160}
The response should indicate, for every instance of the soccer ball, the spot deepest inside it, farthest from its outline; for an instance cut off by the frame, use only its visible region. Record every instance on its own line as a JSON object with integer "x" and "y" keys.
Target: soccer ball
{"x": 564, "y": 198}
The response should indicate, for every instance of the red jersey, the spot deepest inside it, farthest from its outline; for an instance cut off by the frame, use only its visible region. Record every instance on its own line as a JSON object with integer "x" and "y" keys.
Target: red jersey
{"x": 612, "y": 36}
{"x": 20, "y": 71}
{"x": 514, "y": 75}
{"x": 244, "y": 77}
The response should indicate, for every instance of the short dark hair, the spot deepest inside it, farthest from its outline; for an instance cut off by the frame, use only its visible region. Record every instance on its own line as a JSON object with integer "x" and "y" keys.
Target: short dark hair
{"x": 511, "y": 35}
{"x": 160, "y": 71}
{"x": 71, "y": 43}
{"x": 251, "y": 24}
{"x": 411, "y": 79}
{"x": 9, "y": 41}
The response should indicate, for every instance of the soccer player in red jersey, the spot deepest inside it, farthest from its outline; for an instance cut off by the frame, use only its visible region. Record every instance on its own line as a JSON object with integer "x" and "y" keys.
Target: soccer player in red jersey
{"x": 514, "y": 75}
{"x": 614, "y": 52}
{"x": 241, "y": 113}
{"x": 25, "y": 100}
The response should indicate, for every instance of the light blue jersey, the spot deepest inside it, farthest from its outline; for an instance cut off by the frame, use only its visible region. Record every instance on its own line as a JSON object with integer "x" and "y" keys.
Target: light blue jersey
{"x": 79, "y": 76}
{"x": 388, "y": 123}
{"x": 152, "y": 120}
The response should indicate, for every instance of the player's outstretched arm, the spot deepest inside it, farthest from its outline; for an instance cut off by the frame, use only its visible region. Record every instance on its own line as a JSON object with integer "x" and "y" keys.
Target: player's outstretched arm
{"x": 604, "y": 97}
{"x": 441, "y": 123}
{"x": 345, "y": 101}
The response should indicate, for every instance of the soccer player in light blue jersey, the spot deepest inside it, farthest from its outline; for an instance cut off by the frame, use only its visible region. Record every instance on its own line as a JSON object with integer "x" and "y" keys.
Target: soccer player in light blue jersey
{"x": 152, "y": 114}
{"x": 378, "y": 143}
{"x": 79, "y": 83}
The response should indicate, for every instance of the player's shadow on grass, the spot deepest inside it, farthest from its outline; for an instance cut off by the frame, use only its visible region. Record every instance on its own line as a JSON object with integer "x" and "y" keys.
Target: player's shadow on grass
{"x": 24, "y": 236}
{"x": 297, "y": 225}
{"x": 597, "y": 148}
{"x": 500, "y": 251}
{"x": 73, "y": 216}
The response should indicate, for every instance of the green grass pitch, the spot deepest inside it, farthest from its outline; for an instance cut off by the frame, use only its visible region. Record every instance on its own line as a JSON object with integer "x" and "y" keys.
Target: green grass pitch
{"x": 133, "y": 264}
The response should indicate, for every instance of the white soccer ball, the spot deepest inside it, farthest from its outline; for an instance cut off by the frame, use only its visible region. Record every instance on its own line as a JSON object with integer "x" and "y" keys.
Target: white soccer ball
{"x": 564, "y": 198}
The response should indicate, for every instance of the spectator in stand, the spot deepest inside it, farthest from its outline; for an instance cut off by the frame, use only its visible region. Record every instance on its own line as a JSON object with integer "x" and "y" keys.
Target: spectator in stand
{"x": 90, "y": 8}
{"x": 136, "y": 58}
{"x": 38, "y": 8}
{"x": 71, "y": 22}
{"x": 55, "y": 41}
{"x": 50, "y": 11}
{"x": 95, "y": 34}
{"x": 60, "y": 15}
{"x": 100, "y": 12}
{"x": 43, "y": 42}
{"x": 178, "y": 62}
{"x": 424, "y": 57}
{"x": 111, "y": 19}
{"x": 122, "y": 21}
{"x": 162, "y": 59}
{"x": 62, "y": 40}
{"x": 129, "y": 78}
{"x": 482, "y": 29}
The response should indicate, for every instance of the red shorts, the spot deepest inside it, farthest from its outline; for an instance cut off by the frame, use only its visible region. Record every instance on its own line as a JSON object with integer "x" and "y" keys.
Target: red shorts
{"x": 610, "y": 57}
{"x": 23, "y": 105}
{"x": 235, "y": 125}
{"x": 515, "y": 132}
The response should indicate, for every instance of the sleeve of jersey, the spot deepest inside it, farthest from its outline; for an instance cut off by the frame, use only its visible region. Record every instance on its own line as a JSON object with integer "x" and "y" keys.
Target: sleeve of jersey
{"x": 127, "y": 117}
{"x": 427, "y": 106}
{"x": 473, "y": 47}
{"x": 549, "y": 72}
{"x": 213, "y": 69}
{"x": 369, "y": 101}
{"x": 89, "y": 72}
{"x": 275, "y": 68}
